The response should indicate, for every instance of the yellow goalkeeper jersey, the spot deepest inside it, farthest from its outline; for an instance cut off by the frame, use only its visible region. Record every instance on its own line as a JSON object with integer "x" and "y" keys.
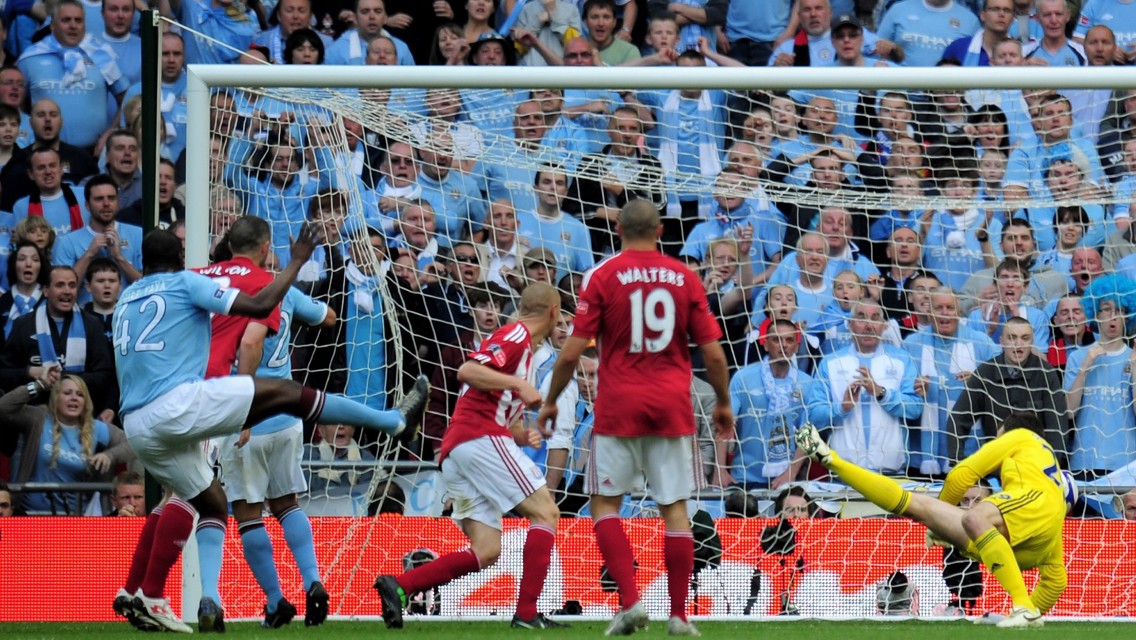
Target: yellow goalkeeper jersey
{"x": 1026, "y": 463}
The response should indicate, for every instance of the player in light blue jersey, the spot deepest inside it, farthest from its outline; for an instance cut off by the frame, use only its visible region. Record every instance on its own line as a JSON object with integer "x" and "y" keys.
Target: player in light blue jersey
{"x": 1099, "y": 382}
{"x": 925, "y": 28}
{"x": 169, "y": 409}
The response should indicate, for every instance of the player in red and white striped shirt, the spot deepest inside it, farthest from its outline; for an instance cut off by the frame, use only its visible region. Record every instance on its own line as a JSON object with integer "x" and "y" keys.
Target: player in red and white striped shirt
{"x": 485, "y": 471}
{"x": 644, "y": 309}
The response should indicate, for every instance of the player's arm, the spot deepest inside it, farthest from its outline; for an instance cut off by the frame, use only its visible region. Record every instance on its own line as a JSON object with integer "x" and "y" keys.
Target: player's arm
{"x": 251, "y": 349}
{"x": 262, "y": 304}
{"x": 981, "y": 463}
{"x": 485, "y": 378}
{"x": 718, "y": 375}
{"x": 565, "y": 368}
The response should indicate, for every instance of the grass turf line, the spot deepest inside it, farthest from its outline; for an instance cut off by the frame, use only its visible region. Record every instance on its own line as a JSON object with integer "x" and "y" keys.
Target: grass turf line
{"x": 850, "y": 630}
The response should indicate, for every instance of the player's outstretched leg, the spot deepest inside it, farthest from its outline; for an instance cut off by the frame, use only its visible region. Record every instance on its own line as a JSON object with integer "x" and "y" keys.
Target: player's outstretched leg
{"x": 274, "y": 396}
{"x": 543, "y": 515}
{"x": 210, "y": 547}
{"x": 393, "y": 591}
{"x": 944, "y": 520}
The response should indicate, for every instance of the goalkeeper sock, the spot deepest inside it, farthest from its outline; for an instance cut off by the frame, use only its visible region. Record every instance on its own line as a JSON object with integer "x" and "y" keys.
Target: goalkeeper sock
{"x": 439, "y": 572}
{"x": 881, "y": 491}
{"x": 998, "y": 556}
{"x": 537, "y": 557}
{"x": 210, "y": 550}
{"x": 142, "y": 552}
{"x": 617, "y": 555}
{"x": 298, "y": 534}
{"x": 170, "y": 536}
{"x": 317, "y": 406}
{"x": 678, "y": 555}
{"x": 258, "y": 554}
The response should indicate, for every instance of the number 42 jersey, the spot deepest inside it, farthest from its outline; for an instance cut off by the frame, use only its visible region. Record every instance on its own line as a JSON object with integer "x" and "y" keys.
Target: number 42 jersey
{"x": 644, "y": 309}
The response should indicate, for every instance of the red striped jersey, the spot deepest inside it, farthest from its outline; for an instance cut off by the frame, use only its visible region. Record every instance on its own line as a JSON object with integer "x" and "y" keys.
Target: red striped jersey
{"x": 490, "y": 413}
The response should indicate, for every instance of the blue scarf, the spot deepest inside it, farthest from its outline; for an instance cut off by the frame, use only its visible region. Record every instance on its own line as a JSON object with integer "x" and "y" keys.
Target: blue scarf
{"x": 74, "y": 332}
{"x": 21, "y": 305}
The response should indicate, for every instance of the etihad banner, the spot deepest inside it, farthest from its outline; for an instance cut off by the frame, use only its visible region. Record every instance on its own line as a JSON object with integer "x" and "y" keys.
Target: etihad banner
{"x": 834, "y": 568}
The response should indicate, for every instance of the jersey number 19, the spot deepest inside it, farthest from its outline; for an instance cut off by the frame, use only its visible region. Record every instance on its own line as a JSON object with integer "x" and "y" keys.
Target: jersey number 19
{"x": 655, "y": 314}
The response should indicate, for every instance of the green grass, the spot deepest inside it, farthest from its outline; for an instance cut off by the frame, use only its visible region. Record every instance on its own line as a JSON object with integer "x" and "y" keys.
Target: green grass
{"x": 593, "y": 630}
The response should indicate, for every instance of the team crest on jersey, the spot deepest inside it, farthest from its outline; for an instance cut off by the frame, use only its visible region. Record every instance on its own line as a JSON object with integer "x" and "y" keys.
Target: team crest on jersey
{"x": 581, "y": 308}
{"x": 455, "y": 194}
{"x": 1127, "y": 369}
{"x": 825, "y": 54}
{"x": 498, "y": 354}
{"x": 955, "y": 24}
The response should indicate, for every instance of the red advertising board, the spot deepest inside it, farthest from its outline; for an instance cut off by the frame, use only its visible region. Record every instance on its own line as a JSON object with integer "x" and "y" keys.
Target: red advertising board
{"x": 83, "y": 561}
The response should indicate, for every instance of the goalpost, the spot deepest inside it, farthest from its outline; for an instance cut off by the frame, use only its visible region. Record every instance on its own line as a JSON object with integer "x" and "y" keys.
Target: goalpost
{"x": 320, "y": 136}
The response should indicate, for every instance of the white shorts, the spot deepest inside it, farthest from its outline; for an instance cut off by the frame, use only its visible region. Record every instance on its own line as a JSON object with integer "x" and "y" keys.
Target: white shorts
{"x": 671, "y": 467}
{"x": 169, "y": 434}
{"x": 267, "y": 467}
{"x": 487, "y": 477}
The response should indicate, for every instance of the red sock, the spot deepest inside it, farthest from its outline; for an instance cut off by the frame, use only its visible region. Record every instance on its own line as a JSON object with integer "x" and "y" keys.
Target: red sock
{"x": 678, "y": 555}
{"x": 537, "y": 557}
{"x": 174, "y": 528}
{"x": 616, "y": 552}
{"x": 439, "y": 572}
{"x": 141, "y": 555}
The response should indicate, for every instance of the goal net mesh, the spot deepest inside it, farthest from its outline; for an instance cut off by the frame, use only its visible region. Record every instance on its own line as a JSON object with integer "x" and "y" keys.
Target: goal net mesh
{"x": 437, "y": 207}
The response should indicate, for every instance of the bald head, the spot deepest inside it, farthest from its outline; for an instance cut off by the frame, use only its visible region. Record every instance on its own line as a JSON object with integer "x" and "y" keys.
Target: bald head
{"x": 539, "y": 299}
{"x": 639, "y": 220}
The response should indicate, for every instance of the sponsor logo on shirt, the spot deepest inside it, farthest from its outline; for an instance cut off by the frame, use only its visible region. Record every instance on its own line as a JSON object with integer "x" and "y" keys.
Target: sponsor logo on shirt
{"x": 498, "y": 354}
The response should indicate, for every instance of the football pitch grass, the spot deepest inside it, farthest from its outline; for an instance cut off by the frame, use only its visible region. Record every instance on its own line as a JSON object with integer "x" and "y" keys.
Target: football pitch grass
{"x": 802, "y": 630}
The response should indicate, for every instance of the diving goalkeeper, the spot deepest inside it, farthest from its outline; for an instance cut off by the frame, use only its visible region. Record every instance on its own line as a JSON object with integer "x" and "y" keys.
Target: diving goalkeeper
{"x": 1018, "y": 527}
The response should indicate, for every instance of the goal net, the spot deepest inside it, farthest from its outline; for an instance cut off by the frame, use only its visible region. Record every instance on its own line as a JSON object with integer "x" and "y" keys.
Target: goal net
{"x": 979, "y": 236}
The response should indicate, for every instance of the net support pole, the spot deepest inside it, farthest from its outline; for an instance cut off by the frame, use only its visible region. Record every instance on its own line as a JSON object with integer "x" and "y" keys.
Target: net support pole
{"x": 197, "y": 171}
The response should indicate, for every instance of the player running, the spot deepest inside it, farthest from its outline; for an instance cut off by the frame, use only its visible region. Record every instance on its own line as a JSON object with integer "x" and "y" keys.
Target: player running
{"x": 643, "y": 309}
{"x": 485, "y": 471}
{"x": 168, "y": 408}
{"x": 1018, "y": 527}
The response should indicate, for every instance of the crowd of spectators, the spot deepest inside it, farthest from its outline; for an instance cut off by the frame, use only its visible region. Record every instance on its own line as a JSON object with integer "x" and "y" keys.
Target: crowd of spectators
{"x": 901, "y": 268}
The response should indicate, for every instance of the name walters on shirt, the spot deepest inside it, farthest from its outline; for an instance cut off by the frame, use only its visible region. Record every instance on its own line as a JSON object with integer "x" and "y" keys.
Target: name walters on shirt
{"x": 636, "y": 275}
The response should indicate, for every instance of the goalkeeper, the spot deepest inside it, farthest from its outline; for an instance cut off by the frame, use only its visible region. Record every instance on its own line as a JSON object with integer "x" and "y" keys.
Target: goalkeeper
{"x": 1019, "y": 527}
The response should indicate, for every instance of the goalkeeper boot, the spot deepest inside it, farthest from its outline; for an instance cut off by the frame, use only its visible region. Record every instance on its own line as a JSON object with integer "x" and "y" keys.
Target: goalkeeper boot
{"x": 628, "y": 621}
{"x": 1022, "y": 617}
{"x": 393, "y": 599}
{"x": 812, "y": 445}
{"x": 413, "y": 409}
{"x": 678, "y": 627}
{"x": 316, "y": 605}
{"x": 284, "y": 613}
{"x": 540, "y": 621}
{"x": 124, "y": 606}
{"x": 210, "y": 617}
{"x": 157, "y": 611}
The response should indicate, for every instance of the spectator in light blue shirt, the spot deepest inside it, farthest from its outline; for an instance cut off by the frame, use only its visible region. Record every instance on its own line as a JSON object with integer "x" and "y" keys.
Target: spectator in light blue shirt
{"x": 291, "y": 15}
{"x": 226, "y": 22}
{"x": 549, "y": 227}
{"x": 925, "y": 28}
{"x": 1117, "y": 15}
{"x": 1054, "y": 49}
{"x": 370, "y": 20}
{"x": 455, "y": 196}
{"x": 976, "y": 50}
{"x": 81, "y": 75}
{"x": 814, "y": 40}
{"x": 174, "y": 100}
{"x": 754, "y": 29}
{"x": 118, "y": 19}
{"x": 50, "y": 198}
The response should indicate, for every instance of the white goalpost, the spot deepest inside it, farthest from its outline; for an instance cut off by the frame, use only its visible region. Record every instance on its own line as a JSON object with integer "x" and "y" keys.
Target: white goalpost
{"x": 280, "y": 141}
